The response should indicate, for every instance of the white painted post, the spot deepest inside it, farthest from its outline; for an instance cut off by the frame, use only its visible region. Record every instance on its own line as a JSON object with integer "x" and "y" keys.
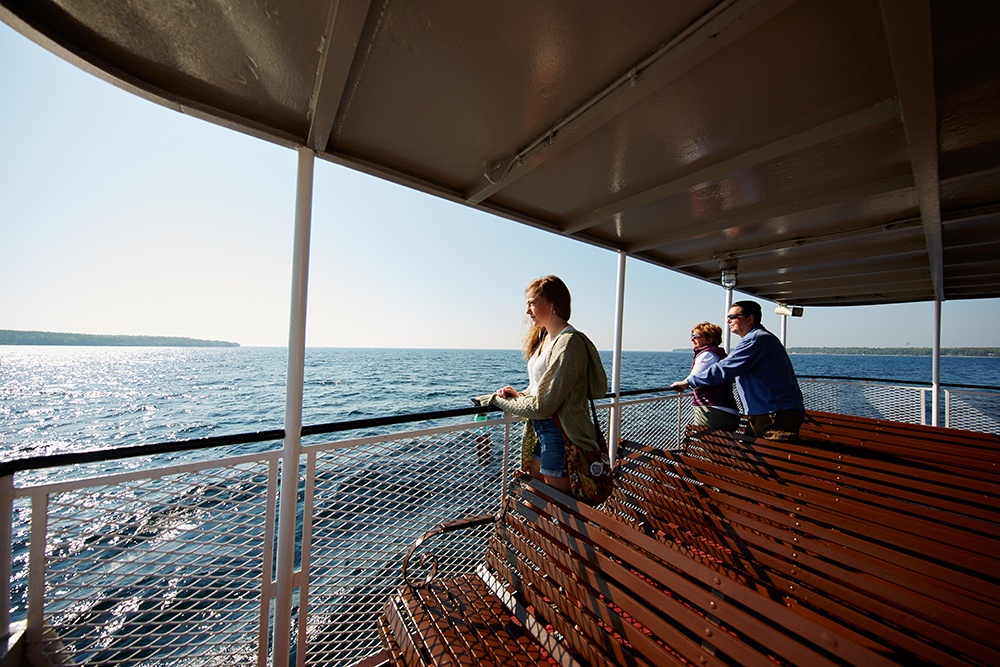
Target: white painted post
{"x": 936, "y": 367}
{"x": 727, "y": 335}
{"x": 36, "y": 578}
{"x": 784, "y": 330}
{"x": 292, "y": 448}
{"x": 6, "y": 551}
{"x": 615, "y": 417}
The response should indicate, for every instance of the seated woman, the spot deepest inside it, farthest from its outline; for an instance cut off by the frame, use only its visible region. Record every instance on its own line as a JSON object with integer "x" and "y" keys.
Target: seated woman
{"x": 714, "y": 406}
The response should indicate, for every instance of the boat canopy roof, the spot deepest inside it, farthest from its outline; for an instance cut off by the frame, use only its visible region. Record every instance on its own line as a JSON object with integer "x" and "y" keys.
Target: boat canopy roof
{"x": 837, "y": 153}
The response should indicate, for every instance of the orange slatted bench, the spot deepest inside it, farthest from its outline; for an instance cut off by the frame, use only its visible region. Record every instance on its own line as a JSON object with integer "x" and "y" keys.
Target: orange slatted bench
{"x": 731, "y": 551}
{"x": 968, "y": 451}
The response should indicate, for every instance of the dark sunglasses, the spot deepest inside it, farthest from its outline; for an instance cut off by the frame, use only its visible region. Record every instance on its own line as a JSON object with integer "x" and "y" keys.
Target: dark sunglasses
{"x": 733, "y": 316}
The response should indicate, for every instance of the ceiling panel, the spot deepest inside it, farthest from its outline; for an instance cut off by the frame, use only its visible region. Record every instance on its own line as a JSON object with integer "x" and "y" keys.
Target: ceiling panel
{"x": 838, "y": 152}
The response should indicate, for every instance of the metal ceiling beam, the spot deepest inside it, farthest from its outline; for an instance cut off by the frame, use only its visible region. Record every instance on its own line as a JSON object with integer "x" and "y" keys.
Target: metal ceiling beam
{"x": 819, "y": 257}
{"x": 906, "y": 243}
{"x": 831, "y": 297}
{"x": 859, "y": 121}
{"x": 835, "y": 289}
{"x": 885, "y": 232}
{"x": 973, "y": 269}
{"x": 908, "y": 33}
{"x": 344, "y": 27}
{"x": 860, "y": 278}
{"x": 906, "y": 278}
{"x": 865, "y": 191}
{"x": 978, "y": 213}
{"x": 723, "y": 25}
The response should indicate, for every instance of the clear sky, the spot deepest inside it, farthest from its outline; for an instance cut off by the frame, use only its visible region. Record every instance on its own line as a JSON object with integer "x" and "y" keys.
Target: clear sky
{"x": 119, "y": 216}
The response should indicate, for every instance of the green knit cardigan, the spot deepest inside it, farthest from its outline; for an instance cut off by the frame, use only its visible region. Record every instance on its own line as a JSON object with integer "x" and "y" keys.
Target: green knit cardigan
{"x": 573, "y": 366}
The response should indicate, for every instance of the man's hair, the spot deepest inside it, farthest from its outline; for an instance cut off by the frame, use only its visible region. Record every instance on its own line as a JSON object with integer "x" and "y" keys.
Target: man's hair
{"x": 750, "y": 308}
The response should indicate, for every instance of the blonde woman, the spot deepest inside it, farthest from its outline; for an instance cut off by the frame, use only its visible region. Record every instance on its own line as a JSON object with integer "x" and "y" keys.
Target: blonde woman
{"x": 564, "y": 371}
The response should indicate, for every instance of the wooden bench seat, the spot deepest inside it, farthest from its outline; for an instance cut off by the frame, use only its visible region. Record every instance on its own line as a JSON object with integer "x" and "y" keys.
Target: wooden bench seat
{"x": 733, "y": 551}
{"x": 969, "y": 451}
{"x": 914, "y": 569}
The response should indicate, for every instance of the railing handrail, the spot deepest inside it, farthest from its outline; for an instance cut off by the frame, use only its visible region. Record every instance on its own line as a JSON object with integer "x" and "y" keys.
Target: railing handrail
{"x": 892, "y": 381}
{"x": 96, "y": 456}
{"x": 118, "y": 453}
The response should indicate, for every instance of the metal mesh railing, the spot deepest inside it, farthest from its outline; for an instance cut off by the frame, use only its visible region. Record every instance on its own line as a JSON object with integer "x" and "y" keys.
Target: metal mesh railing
{"x": 865, "y": 399}
{"x": 967, "y": 408}
{"x": 371, "y": 501}
{"x": 154, "y": 571}
{"x": 972, "y": 409}
{"x": 656, "y": 420}
{"x": 173, "y": 566}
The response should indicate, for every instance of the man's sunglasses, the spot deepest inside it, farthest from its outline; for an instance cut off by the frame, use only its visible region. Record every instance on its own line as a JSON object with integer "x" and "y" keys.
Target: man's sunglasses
{"x": 733, "y": 316}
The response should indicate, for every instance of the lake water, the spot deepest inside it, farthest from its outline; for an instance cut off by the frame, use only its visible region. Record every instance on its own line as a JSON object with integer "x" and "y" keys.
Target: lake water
{"x": 64, "y": 399}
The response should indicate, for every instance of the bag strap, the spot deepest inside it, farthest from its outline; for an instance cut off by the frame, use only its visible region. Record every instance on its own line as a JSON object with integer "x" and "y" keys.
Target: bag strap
{"x": 601, "y": 440}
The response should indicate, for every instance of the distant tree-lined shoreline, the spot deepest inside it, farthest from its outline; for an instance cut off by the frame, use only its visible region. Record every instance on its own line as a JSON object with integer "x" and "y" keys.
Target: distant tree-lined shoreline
{"x": 900, "y": 351}
{"x": 9, "y": 337}
{"x": 891, "y": 351}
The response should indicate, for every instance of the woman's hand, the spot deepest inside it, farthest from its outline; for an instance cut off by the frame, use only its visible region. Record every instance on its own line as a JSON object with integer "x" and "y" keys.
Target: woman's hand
{"x": 507, "y": 392}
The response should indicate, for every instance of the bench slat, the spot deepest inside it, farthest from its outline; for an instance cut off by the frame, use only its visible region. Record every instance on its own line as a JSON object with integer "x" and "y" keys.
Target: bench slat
{"x": 867, "y": 523}
{"x": 778, "y": 545}
{"x": 812, "y": 583}
{"x": 663, "y": 613}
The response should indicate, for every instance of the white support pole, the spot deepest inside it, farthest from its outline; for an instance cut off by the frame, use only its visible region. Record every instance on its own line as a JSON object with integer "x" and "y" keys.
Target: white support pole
{"x": 6, "y": 551}
{"x": 615, "y": 421}
{"x": 727, "y": 335}
{"x": 784, "y": 331}
{"x": 936, "y": 367}
{"x": 292, "y": 448}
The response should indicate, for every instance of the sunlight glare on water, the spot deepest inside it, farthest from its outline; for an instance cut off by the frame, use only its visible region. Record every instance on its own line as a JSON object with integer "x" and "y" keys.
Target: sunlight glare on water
{"x": 68, "y": 399}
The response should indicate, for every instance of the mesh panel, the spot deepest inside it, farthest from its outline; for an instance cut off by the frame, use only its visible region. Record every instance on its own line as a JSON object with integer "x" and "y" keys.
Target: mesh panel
{"x": 864, "y": 399}
{"x": 162, "y": 571}
{"x": 371, "y": 503}
{"x": 973, "y": 410}
{"x": 656, "y": 421}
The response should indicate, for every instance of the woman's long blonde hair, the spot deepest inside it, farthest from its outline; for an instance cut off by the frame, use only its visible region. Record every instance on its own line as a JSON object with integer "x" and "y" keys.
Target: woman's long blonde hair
{"x": 553, "y": 290}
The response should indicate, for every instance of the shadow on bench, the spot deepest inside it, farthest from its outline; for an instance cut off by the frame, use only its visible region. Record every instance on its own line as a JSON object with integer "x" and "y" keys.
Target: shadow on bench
{"x": 733, "y": 551}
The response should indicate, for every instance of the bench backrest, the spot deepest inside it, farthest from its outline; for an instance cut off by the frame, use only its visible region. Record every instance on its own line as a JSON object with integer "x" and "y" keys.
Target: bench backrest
{"x": 968, "y": 451}
{"x": 733, "y": 553}
{"x": 886, "y": 559}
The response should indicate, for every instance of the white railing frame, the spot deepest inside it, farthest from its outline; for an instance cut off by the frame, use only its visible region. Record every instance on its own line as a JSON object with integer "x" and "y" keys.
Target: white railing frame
{"x": 38, "y": 496}
{"x": 947, "y": 408}
{"x": 615, "y": 418}
{"x": 287, "y": 507}
{"x": 6, "y": 549}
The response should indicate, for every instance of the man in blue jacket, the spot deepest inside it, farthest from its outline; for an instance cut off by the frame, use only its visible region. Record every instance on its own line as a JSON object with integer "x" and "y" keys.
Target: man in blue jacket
{"x": 763, "y": 372}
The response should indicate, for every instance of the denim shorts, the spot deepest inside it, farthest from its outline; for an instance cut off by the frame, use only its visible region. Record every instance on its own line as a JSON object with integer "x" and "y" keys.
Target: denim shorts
{"x": 550, "y": 450}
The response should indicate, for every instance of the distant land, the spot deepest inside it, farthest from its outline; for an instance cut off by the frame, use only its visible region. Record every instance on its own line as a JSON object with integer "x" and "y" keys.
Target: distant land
{"x": 9, "y": 337}
{"x": 893, "y": 351}
{"x": 901, "y": 351}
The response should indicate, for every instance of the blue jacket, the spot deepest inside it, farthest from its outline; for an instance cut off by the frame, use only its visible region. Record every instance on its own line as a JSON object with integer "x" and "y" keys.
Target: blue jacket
{"x": 763, "y": 371}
